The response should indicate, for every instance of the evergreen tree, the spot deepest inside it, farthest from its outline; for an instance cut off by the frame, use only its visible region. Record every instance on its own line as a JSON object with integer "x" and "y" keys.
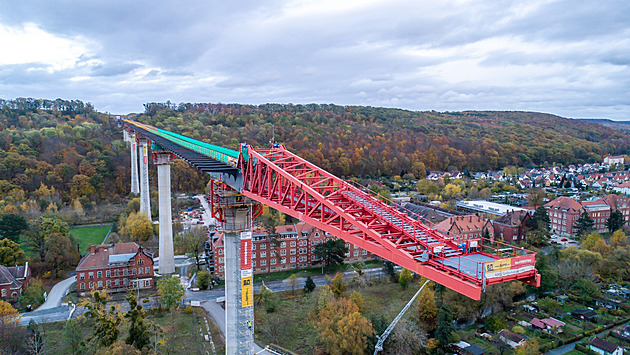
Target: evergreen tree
{"x": 445, "y": 326}
{"x": 106, "y": 321}
{"x": 309, "y": 286}
{"x": 615, "y": 221}
{"x": 72, "y": 337}
{"x": 332, "y": 252}
{"x": 11, "y": 226}
{"x": 139, "y": 335}
{"x": 583, "y": 224}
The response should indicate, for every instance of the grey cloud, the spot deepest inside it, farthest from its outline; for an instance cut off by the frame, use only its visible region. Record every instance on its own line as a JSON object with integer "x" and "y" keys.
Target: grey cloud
{"x": 112, "y": 69}
{"x": 356, "y": 57}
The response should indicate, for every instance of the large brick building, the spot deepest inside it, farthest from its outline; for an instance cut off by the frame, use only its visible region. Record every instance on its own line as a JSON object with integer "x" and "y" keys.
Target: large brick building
{"x": 461, "y": 228}
{"x": 564, "y": 212}
{"x": 599, "y": 211}
{"x": 293, "y": 249}
{"x": 117, "y": 267}
{"x": 13, "y": 281}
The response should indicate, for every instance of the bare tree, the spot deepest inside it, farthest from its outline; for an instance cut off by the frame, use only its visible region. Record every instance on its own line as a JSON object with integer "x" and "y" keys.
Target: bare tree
{"x": 407, "y": 338}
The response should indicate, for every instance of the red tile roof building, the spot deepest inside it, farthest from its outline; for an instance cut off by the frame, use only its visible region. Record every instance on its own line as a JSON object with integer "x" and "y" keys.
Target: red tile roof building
{"x": 294, "y": 250}
{"x": 564, "y": 212}
{"x": 13, "y": 281}
{"x": 511, "y": 226}
{"x": 465, "y": 227}
{"x": 117, "y": 267}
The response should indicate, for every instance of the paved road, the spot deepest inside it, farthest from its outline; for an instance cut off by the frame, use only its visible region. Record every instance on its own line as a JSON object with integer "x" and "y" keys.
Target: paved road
{"x": 57, "y": 293}
{"x": 207, "y": 217}
{"x": 47, "y": 315}
{"x": 280, "y": 285}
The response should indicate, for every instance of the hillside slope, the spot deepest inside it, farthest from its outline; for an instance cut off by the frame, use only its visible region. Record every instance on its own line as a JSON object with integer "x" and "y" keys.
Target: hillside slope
{"x": 351, "y": 140}
{"x": 622, "y": 126}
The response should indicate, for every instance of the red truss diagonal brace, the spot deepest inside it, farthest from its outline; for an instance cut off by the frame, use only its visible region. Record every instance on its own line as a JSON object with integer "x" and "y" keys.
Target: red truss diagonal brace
{"x": 288, "y": 183}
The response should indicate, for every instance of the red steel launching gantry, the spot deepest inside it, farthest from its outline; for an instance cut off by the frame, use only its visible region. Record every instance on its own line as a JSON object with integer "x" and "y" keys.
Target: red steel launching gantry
{"x": 284, "y": 181}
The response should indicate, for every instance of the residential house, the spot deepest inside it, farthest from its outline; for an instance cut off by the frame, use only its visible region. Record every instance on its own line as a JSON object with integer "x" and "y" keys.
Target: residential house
{"x": 292, "y": 248}
{"x": 552, "y": 325}
{"x": 117, "y": 267}
{"x": 623, "y": 188}
{"x": 459, "y": 346}
{"x": 513, "y": 340}
{"x": 603, "y": 347}
{"x": 428, "y": 213}
{"x": 473, "y": 350}
{"x": 511, "y": 226}
{"x": 461, "y": 228}
{"x": 584, "y": 314}
{"x": 13, "y": 281}
{"x": 608, "y": 303}
{"x": 562, "y": 298}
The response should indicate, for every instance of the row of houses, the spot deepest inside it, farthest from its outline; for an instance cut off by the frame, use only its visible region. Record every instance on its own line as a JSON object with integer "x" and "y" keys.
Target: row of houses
{"x": 586, "y": 175}
{"x": 509, "y": 226}
{"x": 509, "y": 223}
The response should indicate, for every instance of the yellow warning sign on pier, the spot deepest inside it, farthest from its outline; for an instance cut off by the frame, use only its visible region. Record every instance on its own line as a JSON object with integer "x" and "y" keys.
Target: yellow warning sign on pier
{"x": 247, "y": 291}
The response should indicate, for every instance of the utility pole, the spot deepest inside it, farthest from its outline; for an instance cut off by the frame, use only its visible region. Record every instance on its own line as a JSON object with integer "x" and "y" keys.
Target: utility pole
{"x": 383, "y": 337}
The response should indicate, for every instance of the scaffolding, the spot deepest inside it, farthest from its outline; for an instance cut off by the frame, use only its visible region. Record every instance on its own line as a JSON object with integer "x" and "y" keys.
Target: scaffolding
{"x": 236, "y": 214}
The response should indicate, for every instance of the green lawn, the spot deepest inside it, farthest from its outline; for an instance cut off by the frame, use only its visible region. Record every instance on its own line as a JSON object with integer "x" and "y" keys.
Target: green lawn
{"x": 282, "y": 275}
{"x": 89, "y": 235}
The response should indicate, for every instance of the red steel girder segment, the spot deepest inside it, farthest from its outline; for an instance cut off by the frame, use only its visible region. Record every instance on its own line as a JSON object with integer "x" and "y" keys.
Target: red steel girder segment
{"x": 286, "y": 182}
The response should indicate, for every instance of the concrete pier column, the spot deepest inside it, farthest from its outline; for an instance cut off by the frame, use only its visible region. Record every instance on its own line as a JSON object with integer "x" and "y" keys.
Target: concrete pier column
{"x": 239, "y": 309}
{"x": 145, "y": 197}
{"x": 135, "y": 185}
{"x": 163, "y": 162}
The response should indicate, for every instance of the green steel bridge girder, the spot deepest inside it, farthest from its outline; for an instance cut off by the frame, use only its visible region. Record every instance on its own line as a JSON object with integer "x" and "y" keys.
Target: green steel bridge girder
{"x": 221, "y": 154}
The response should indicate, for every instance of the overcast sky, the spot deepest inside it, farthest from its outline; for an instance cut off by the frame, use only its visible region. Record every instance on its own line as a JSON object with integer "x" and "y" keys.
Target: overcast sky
{"x": 569, "y": 58}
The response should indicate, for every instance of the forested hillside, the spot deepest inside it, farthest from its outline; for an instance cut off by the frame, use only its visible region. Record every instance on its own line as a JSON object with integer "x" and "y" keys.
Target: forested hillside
{"x": 53, "y": 153}
{"x": 352, "y": 140}
{"x": 57, "y": 153}
{"x": 622, "y": 126}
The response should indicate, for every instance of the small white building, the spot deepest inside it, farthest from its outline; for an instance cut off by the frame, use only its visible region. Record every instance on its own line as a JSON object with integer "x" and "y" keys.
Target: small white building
{"x": 614, "y": 159}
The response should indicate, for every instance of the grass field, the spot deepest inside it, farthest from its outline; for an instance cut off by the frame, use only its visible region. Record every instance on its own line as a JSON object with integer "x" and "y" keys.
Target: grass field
{"x": 281, "y": 275}
{"x": 292, "y": 325}
{"x": 89, "y": 235}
